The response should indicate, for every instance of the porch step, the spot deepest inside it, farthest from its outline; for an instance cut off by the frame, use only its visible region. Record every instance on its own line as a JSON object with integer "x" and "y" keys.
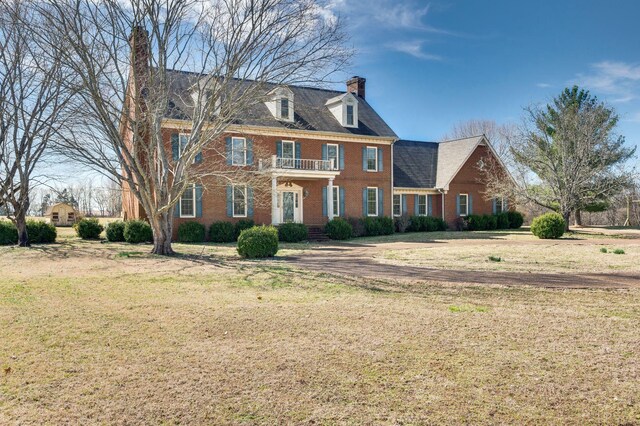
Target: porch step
{"x": 316, "y": 233}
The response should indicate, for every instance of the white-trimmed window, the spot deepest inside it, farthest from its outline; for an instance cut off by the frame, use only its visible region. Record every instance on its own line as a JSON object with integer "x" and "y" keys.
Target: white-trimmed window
{"x": 397, "y": 205}
{"x": 238, "y": 151}
{"x": 188, "y": 202}
{"x": 463, "y": 202}
{"x": 336, "y": 201}
{"x": 500, "y": 205}
{"x": 333, "y": 155}
{"x": 372, "y": 159}
{"x": 239, "y": 201}
{"x": 288, "y": 154}
{"x": 284, "y": 108}
{"x": 422, "y": 205}
{"x": 372, "y": 201}
{"x": 350, "y": 115}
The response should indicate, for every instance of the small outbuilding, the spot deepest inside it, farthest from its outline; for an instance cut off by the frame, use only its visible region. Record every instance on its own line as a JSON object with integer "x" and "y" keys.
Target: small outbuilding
{"x": 62, "y": 214}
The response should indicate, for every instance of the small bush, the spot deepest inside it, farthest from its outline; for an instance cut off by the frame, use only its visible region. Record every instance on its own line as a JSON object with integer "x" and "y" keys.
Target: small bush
{"x": 259, "y": 241}
{"x": 137, "y": 231}
{"x": 495, "y": 259}
{"x": 603, "y": 250}
{"x": 222, "y": 232}
{"x": 191, "y": 232}
{"x": 461, "y": 224}
{"x": 502, "y": 221}
{"x": 426, "y": 224}
{"x": 549, "y": 225}
{"x": 491, "y": 222}
{"x": 374, "y": 226}
{"x": 357, "y": 226}
{"x": 338, "y": 229}
{"x": 516, "y": 219}
{"x": 243, "y": 224}
{"x": 8, "y": 233}
{"x": 115, "y": 231}
{"x": 402, "y": 223}
{"x": 618, "y": 251}
{"x": 293, "y": 232}
{"x": 88, "y": 228}
{"x": 41, "y": 232}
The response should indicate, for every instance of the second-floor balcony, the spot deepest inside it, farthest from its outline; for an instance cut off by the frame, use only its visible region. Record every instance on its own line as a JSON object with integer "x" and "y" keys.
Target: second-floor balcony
{"x": 303, "y": 167}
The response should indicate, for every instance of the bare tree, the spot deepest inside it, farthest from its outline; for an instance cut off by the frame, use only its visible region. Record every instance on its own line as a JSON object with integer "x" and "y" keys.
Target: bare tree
{"x": 234, "y": 49}
{"x": 33, "y": 96}
{"x": 567, "y": 155}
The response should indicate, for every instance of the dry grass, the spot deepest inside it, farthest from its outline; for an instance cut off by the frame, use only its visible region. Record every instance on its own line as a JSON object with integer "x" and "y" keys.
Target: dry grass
{"x": 93, "y": 336}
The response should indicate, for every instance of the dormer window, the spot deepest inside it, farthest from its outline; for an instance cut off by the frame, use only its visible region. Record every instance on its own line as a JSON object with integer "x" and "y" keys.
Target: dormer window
{"x": 345, "y": 109}
{"x": 280, "y": 103}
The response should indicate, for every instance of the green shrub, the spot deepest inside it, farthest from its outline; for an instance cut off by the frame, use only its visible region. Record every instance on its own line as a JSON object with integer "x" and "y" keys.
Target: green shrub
{"x": 495, "y": 259}
{"x": 137, "y": 231}
{"x": 191, "y": 232}
{"x": 386, "y": 225}
{"x": 357, "y": 226}
{"x": 115, "y": 231}
{"x": 490, "y": 222}
{"x": 259, "y": 241}
{"x": 41, "y": 232}
{"x": 374, "y": 226}
{"x": 618, "y": 251}
{"x": 88, "y": 228}
{"x": 338, "y": 229}
{"x": 243, "y": 224}
{"x": 549, "y": 225}
{"x": 8, "y": 233}
{"x": 603, "y": 250}
{"x": 293, "y": 232}
{"x": 476, "y": 222}
{"x": 222, "y": 232}
{"x": 426, "y": 224}
{"x": 516, "y": 219}
{"x": 502, "y": 221}
{"x": 402, "y": 223}
{"x": 461, "y": 224}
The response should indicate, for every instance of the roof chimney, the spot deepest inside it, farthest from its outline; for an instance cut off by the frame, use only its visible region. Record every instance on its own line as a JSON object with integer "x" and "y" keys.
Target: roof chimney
{"x": 356, "y": 85}
{"x": 139, "y": 41}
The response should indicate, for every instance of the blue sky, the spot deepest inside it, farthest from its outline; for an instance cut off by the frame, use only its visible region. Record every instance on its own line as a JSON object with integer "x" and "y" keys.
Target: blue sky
{"x": 431, "y": 64}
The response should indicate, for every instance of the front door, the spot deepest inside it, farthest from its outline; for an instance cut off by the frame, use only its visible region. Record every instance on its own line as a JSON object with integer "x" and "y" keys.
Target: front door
{"x": 290, "y": 207}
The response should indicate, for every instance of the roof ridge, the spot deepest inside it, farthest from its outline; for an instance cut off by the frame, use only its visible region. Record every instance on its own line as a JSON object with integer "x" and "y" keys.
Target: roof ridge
{"x": 414, "y": 141}
{"x": 460, "y": 139}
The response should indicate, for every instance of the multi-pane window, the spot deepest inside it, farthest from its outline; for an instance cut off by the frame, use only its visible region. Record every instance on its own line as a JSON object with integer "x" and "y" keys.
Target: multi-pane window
{"x": 397, "y": 206}
{"x": 336, "y": 201}
{"x": 372, "y": 159}
{"x": 350, "y": 117}
{"x": 239, "y": 151}
{"x": 239, "y": 201}
{"x": 288, "y": 154}
{"x": 463, "y": 200}
{"x": 183, "y": 144}
{"x": 187, "y": 202}
{"x": 422, "y": 205}
{"x": 500, "y": 205}
{"x": 372, "y": 201}
{"x": 70, "y": 217}
{"x": 333, "y": 155}
{"x": 54, "y": 216}
{"x": 284, "y": 108}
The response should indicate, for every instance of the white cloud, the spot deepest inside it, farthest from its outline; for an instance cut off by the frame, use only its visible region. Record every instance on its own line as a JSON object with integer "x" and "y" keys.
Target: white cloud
{"x": 634, "y": 118}
{"x": 615, "y": 78}
{"x": 543, "y": 85}
{"x": 413, "y": 48}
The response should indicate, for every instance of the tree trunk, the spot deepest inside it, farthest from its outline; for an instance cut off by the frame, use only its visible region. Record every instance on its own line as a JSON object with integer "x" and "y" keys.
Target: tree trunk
{"x": 578, "y": 217}
{"x": 566, "y": 215}
{"x": 162, "y": 226}
{"x": 21, "y": 224}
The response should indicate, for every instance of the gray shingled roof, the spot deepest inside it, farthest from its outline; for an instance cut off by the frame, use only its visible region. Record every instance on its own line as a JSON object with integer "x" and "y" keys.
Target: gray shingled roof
{"x": 430, "y": 164}
{"x": 310, "y": 111}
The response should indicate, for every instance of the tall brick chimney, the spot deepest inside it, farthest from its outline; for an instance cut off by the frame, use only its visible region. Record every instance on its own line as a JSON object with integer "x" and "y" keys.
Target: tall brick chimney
{"x": 356, "y": 85}
{"x": 139, "y": 42}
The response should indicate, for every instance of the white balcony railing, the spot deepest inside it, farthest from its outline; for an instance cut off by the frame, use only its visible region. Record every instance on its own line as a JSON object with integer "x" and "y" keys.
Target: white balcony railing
{"x": 303, "y": 164}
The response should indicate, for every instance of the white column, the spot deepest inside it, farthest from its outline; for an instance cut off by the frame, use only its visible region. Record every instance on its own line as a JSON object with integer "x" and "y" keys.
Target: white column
{"x": 330, "y": 199}
{"x": 274, "y": 200}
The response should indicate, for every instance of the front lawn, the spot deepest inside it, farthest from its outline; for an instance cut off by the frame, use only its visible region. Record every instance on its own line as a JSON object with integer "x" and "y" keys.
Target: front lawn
{"x": 104, "y": 333}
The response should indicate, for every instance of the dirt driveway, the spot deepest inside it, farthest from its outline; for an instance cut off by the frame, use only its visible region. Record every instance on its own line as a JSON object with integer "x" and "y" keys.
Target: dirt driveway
{"x": 352, "y": 259}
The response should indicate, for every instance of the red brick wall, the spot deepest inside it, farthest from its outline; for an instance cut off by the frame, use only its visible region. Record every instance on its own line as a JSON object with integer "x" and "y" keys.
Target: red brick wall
{"x": 353, "y": 179}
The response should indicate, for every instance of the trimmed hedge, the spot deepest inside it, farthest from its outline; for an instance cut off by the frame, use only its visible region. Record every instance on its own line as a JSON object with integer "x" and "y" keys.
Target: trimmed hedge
{"x": 402, "y": 223}
{"x": 338, "y": 229}
{"x": 137, "y": 231}
{"x": 257, "y": 242}
{"x": 426, "y": 224}
{"x": 88, "y": 228}
{"x": 516, "y": 219}
{"x": 293, "y": 232}
{"x": 222, "y": 232}
{"x": 374, "y": 226}
{"x": 41, "y": 232}
{"x": 241, "y": 225}
{"x": 502, "y": 221}
{"x": 191, "y": 232}
{"x": 8, "y": 233}
{"x": 548, "y": 226}
{"x": 115, "y": 231}
{"x": 357, "y": 226}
